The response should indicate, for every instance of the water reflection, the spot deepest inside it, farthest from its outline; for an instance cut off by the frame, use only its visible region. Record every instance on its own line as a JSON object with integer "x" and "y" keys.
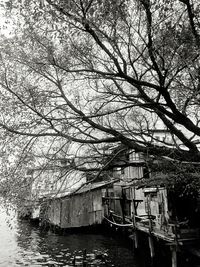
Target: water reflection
{"x": 52, "y": 250}
{"x": 25, "y": 245}
{"x": 22, "y": 244}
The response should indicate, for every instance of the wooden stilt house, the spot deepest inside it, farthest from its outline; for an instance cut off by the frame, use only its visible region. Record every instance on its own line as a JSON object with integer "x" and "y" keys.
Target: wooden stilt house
{"x": 152, "y": 203}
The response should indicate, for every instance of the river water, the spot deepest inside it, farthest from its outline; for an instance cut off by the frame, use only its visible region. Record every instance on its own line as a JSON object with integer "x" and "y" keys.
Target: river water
{"x": 22, "y": 244}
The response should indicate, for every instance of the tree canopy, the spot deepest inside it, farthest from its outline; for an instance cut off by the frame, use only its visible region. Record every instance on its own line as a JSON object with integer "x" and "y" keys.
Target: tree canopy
{"x": 94, "y": 74}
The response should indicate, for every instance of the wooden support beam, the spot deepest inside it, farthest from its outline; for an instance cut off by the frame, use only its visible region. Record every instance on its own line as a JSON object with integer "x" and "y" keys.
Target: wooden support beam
{"x": 174, "y": 257}
{"x": 122, "y": 204}
{"x": 136, "y": 239}
{"x": 84, "y": 258}
{"x": 151, "y": 246}
{"x": 120, "y": 198}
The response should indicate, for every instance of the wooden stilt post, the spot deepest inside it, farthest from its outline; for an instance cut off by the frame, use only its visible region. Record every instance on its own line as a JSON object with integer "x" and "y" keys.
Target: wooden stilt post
{"x": 74, "y": 261}
{"x": 136, "y": 243}
{"x": 174, "y": 248}
{"x": 134, "y": 213}
{"x": 151, "y": 246}
{"x": 174, "y": 257}
{"x": 122, "y": 203}
{"x": 84, "y": 258}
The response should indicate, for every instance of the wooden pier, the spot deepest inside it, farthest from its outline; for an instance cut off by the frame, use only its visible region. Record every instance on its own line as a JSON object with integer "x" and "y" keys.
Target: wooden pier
{"x": 155, "y": 222}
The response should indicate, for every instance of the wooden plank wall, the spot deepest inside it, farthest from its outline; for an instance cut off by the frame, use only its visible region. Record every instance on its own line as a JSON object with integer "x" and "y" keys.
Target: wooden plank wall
{"x": 53, "y": 212}
{"x": 76, "y": 211}
{"x": 82, "y": 210}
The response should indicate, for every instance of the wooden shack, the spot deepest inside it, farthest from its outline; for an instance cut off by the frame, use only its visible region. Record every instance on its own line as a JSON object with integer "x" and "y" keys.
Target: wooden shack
{"x": 153, "y": 195}
{"x": 155, "y": 208}
{"x": 157, "y": 199}
{"x": 79, "y": 209}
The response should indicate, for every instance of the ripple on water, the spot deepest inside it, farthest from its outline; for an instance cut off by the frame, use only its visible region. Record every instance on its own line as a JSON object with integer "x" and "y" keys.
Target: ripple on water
{"x": 24, "y": 245}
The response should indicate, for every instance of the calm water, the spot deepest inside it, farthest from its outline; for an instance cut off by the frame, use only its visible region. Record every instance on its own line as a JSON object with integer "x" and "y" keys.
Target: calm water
{"x": 22, "y": 244}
